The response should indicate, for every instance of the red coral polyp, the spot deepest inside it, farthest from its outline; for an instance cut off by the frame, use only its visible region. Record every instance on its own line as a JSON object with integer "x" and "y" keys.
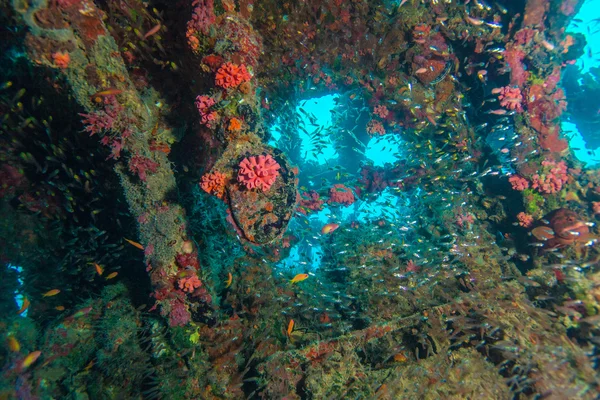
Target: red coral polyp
{"x": 258, "y": 172}
{"x": 510, "y": 98}
{"x": 232, "y": 75}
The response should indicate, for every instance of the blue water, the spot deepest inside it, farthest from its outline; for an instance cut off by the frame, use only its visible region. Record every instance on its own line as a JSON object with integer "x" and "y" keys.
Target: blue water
{"x": 589, "y": 12}
{"x": 19, "y": 297}
{"x": 379, "y": 151}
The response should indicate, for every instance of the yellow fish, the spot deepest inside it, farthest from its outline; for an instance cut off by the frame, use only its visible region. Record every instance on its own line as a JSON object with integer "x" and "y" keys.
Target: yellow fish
{"x": 229, "y": 280}
{"x": 30, "y": 359}
{"x": 134, "y": 244}
{"x": 51, "y": 293}
{"x": 13, "y": 344}
{"x": 299, "y": 278}
{"x": 329, "y": 228}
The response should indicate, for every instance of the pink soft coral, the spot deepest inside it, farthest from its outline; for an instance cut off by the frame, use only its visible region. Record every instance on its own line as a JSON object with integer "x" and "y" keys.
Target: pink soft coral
{"x": 309, "y": 201}
{"x": 203, "y": 16}
{"x": 525, "y": 220}
{"x": 465, "y": 220}
{"x": 232, "y": 75}
{"x": 189, "y": 284}
{"x": 553, "y": 177}
{"x": 258, "y": 172}
{"x": 98, "y": 122}
{"x": 518, "y": 183}
{"x": 381, "y": 111}
{"x": 341, "y": 194}
{"x": 510, "y": 98}
{"x": 375, "y": 127}
{"x": 514, "y": 56}
{"x": 140, "y": 165}
{"x": 111, "y": 123}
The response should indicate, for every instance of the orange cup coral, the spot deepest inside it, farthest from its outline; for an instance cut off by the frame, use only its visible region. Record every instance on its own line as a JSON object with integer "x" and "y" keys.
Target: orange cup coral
{"x": 213, "y": 183}
{"x": 234, "y": 125}
{"x": 232, "y": 75}
{"x": 189, "y": 284}
{"x": 61, "y": 60}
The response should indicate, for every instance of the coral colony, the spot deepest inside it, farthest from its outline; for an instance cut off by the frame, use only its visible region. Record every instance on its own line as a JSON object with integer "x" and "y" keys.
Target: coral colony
{"x": 258, "y": 172}
{"x": 179, "y": 222}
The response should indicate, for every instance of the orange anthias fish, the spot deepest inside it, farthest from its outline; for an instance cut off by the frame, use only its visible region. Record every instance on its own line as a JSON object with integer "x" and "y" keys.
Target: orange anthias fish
{"x": 299, "y": 278}
{"x": 229, "y": 280}
{"x": 152, "y": 31}
{"x": 107, "y": 92}
{"x": 290, "y": 328}
{"x": 329, "y": 228}
{"x": 99, "y": 269}
{"x": 112, "y": 275}
{"x": 134, "y": 244}
{"x": 30, "y": 359}
{"x": 51, "y": 293}
{"x": 24, "y": 307}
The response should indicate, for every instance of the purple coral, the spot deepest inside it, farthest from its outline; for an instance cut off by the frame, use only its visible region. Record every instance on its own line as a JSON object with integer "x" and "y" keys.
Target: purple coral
{"x": 179, "y": 315}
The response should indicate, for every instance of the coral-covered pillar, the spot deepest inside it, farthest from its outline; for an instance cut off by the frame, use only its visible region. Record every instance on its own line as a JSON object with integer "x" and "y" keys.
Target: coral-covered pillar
{"x": 255, "y": 180}
{"x": 80, "y": 48}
